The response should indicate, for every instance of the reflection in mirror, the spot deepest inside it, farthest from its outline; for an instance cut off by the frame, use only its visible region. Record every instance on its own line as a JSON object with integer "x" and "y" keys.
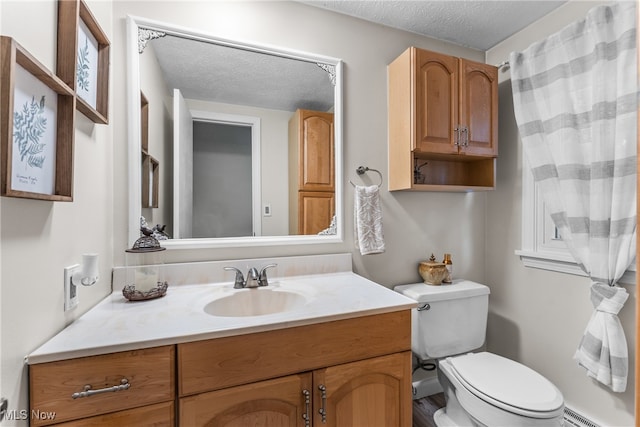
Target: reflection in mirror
{"x": 247, "y": 139}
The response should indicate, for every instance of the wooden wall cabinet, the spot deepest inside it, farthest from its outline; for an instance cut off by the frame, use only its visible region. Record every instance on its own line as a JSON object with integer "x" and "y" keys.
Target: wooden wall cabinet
{"x": 311, "y": 172}
{"x": 313, "y": 373}
{"x": 443, "y": 123}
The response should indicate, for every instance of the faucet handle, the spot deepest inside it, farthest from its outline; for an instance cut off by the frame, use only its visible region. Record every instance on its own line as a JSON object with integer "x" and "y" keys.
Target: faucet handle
{"x": 263, "y": 280}
{"x": 239, "y": 281}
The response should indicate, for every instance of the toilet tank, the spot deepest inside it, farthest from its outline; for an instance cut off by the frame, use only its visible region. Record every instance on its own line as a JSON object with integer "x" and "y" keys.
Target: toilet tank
{"x": 450, "y": 319}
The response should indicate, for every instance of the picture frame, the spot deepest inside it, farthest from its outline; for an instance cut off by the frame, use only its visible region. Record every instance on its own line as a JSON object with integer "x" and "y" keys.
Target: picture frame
{"x": 36, "y": 128}
{"x": 150, "y": 181}
{"x": 83, "y": 59}
{"x": 144, "y": 123}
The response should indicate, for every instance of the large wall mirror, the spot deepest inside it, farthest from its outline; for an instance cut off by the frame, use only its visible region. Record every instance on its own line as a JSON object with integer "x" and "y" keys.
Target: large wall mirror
{"x": 232, "y": 143}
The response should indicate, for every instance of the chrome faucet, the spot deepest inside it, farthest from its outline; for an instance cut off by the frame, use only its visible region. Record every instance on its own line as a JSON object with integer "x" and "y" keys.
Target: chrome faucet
{"x": 254, "y": 279}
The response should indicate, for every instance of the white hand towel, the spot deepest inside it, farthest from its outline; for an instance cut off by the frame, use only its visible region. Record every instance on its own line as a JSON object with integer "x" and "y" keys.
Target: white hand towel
{"x": 369, "y": 237}
{"x": 603, "y": 348}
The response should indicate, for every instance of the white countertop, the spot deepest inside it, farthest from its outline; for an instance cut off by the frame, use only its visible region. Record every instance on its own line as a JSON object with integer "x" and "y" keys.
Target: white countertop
{"x": 116, "y": 324}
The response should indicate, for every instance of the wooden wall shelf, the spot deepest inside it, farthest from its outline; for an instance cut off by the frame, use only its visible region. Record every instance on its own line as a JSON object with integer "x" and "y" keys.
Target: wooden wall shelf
{"x": 17, "y": 65}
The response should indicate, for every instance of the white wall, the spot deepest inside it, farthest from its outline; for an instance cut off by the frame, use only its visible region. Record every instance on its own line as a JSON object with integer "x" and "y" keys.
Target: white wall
{"x": 39, "y": 238}
{"x": 537, "y": 317}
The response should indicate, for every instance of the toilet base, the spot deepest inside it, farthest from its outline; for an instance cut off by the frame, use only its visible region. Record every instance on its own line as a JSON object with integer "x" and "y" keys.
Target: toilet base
{"x": 441, "y": 419}
{"x": 453, "y": 414}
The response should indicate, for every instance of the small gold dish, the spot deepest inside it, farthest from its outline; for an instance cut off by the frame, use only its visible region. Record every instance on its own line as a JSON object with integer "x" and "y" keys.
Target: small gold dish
{"x": 432, "y": 272}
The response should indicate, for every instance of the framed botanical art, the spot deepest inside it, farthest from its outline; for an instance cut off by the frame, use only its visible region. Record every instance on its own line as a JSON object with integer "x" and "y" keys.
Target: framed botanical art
{"x": 36, "y": 128}
{"x": 83, "y": 58}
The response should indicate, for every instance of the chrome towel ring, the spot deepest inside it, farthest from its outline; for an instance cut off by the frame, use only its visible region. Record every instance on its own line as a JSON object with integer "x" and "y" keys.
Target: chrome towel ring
{"x": 363, "y": 169}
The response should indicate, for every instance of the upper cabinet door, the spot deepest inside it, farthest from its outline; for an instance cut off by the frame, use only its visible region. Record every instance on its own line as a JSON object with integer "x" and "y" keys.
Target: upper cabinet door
{"x": 479, "y": 108}
{"x": 436, "y": 102}
{"x": 316, "y": 151}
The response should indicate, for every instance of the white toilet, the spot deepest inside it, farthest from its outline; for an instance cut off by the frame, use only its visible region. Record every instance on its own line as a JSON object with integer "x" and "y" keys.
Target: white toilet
{"x": 481, "y": 389}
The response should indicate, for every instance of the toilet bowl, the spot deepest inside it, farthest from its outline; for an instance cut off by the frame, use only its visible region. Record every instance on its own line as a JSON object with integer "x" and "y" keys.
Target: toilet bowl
{"x": 481, "y": 389}
{"x": 484, "y": 389}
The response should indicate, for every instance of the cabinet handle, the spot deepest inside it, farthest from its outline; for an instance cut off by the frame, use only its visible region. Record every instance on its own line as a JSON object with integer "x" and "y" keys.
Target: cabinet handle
{"x": 323, "y": 407}
{"x": 457, "y": 138}
{"x": 124, "y": 385}
{"x": 465, "y": 131}
{"x": 307, "y": 403}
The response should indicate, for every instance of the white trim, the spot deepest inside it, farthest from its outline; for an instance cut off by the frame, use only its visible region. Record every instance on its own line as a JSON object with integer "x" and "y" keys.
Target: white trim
{"x": 557, "y": 262}
{"x": 133, "y": 131}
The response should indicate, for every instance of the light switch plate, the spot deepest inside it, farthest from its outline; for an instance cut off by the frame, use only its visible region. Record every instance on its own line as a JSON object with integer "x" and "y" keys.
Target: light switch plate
{"x": 70, "y": 290}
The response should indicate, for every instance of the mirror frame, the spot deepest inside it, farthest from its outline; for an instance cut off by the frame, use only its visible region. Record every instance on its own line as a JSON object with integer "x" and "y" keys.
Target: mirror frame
{"x": 134, "y": 126}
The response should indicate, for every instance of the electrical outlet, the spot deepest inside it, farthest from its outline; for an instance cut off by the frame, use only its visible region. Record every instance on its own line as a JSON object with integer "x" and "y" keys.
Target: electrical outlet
{"x": 70, "y": 290}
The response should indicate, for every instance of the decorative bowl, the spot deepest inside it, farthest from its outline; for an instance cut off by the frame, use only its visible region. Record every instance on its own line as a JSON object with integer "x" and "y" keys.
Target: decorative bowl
{"x": 432, "y": 272}
{"x": 130, "y": 292}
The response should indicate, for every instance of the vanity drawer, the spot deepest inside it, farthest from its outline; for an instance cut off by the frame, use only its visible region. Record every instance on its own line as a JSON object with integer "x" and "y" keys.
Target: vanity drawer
{"x": 158, "y": 415}
{"x": 224, "y": 362}
{"x": 150, "y": 374}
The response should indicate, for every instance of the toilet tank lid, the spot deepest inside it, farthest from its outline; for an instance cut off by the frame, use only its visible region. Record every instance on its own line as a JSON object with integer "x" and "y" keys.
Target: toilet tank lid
{"x": 430, "y": 293}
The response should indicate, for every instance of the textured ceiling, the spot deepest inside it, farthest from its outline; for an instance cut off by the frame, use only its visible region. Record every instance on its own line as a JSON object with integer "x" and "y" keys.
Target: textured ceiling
{"x": 207, "y": 71}
{"x": 478, "y": 24}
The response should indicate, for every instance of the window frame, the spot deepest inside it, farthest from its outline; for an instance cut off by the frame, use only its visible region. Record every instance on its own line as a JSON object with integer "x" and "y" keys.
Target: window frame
{"x": 540, "y": 248}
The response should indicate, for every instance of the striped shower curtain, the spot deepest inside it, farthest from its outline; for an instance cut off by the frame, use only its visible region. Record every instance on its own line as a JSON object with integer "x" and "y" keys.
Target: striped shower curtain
{"x": 575, "y": 100}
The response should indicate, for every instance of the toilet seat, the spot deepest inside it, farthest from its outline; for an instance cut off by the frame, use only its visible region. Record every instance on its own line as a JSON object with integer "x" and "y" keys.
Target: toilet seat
{"x": 507, "y": 385}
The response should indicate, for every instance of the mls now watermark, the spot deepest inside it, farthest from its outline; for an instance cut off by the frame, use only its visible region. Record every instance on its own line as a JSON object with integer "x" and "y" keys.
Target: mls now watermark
{"x": 23, "y": 414}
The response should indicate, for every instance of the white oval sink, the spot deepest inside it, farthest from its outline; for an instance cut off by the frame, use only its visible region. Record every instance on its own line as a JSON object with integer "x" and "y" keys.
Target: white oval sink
{"x": 255, "y": 302}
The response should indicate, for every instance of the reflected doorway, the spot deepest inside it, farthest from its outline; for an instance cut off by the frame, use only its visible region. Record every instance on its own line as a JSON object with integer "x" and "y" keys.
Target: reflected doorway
{"x": 222, "y": 180}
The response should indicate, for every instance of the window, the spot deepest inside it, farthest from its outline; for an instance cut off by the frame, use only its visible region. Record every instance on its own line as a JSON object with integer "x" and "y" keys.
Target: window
{"x": 542, "y": 246}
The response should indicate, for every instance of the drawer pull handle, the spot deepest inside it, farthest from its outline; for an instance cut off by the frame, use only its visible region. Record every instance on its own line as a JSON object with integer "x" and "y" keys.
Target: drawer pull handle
{"x": 307, "y": 402}
{"x": 124, "y": 385}
{"x": 323, "y": 407}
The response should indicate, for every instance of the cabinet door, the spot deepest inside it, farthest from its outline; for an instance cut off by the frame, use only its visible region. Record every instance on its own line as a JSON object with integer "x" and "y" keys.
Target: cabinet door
{"x": 372, "y": 392}
{"x": 315, "y": 211}
{"x": 316, "y": 165}
{"x": 277, "y": 402}
{"x": 479, "y": 107}
{"x": 436, "y": 102}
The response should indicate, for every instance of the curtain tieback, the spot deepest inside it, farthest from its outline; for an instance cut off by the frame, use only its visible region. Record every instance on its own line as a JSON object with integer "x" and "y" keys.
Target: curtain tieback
{"x": 608, "y": 299}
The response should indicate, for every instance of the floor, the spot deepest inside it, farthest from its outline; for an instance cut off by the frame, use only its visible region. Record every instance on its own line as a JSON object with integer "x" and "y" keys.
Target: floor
{"x": 424, "y": 408}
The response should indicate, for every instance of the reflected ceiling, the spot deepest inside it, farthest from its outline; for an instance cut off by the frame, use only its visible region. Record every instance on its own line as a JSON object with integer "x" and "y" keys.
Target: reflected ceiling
{"x": 216, "y": 73}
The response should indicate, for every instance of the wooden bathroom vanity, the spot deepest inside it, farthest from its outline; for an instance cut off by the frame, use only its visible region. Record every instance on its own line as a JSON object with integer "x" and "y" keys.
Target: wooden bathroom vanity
{"x": 323, "y": 369}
